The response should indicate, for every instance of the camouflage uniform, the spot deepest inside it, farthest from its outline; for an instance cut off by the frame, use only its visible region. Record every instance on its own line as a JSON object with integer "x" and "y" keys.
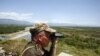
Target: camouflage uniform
{"x": 31, "y": 49}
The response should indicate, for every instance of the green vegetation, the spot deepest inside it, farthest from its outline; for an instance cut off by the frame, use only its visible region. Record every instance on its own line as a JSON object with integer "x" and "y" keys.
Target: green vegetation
{"x": 80, "y": 41}
{"x": 13, "y": 45}
{"x": 76, "y": 41}
{"x": 4, "y": 29}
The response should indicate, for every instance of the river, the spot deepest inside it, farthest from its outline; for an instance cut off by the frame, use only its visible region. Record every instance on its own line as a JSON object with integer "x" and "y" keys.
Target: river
{"x": 23, "y": 35}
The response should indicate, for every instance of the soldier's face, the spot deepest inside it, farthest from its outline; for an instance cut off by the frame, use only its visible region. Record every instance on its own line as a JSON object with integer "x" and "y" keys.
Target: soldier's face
{"x": 43, "y": 38}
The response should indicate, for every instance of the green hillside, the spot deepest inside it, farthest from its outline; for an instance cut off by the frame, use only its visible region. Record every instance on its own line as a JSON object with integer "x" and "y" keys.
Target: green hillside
{"x": 4, "y": 29}
{"x": 76, "y": 41}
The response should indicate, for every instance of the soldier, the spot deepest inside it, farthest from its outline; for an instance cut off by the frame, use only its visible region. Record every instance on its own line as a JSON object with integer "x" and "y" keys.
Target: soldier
{"x": 40, "y": 38}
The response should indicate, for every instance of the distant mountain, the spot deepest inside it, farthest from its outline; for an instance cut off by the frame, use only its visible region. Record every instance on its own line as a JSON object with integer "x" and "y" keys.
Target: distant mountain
{"x": 69, "y": 25}
{"x": 61, "y": 24}
{"x": 14, "y": 22}
{"x": 17, "y": 22}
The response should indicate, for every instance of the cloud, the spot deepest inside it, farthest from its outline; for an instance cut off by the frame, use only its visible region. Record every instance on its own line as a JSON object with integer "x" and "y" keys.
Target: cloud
{"x": 15, "y": 16}
{"x": 29, "y": 17}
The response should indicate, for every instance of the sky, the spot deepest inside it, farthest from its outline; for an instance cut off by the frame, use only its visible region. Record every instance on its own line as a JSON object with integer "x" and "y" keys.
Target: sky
{"x": 77, "y": 12}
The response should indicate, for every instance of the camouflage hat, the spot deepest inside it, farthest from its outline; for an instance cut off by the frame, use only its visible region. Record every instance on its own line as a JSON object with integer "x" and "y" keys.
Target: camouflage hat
{"x": 43, "y": 26}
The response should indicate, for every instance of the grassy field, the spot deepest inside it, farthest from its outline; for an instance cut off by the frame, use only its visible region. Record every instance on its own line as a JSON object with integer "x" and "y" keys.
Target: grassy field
{"x": 4, "y": 29}
{"x": 80, "y": 41}
{"x": 77, "y": 41}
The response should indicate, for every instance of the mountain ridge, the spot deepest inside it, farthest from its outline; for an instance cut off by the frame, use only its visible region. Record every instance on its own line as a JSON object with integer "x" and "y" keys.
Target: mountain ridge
{"x": 14, "y": 22}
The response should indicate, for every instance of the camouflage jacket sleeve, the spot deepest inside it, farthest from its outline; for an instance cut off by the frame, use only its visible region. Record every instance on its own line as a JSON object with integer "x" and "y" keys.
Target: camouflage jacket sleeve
{"x": 32, "y": 50}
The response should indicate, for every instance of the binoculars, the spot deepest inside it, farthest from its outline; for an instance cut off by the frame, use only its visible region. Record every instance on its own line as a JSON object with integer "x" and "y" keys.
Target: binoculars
{"x": 56, "y": 35}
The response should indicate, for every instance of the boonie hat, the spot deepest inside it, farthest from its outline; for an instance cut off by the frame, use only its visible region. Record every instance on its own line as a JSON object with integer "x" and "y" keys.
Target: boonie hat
{"x": 43, "y": 26}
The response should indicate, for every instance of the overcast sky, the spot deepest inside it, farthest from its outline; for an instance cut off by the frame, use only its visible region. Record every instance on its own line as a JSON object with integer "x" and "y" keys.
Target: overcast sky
{"x": 79, "y": 12}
